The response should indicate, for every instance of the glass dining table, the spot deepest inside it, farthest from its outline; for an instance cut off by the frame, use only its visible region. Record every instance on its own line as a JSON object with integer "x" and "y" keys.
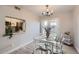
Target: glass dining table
{"x": 51, "y": 45}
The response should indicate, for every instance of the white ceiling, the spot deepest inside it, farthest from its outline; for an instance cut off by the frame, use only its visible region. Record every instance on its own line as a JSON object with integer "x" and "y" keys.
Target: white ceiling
{"x": 37, "y": 9}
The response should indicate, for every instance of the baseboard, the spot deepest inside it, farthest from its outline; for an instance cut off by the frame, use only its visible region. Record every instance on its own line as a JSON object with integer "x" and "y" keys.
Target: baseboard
{"x": 8, "y": 52}
{"x": 76, "y": 49}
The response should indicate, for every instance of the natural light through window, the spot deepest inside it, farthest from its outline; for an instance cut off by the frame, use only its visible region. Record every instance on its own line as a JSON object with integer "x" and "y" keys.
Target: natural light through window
{"x": 45, "y": 23}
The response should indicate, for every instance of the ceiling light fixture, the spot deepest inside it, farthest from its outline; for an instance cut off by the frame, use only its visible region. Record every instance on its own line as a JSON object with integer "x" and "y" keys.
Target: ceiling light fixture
{"x": 47, "y": 11}
{"x": 17, "y": 8}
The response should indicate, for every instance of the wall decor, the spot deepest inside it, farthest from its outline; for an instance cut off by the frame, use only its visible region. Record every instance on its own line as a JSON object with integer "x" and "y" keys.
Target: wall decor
{"x": 13, "y": 25}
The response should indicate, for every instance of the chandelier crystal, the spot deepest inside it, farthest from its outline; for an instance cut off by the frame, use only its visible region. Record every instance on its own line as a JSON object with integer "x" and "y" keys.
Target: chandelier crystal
{"x": 48, "y": 11}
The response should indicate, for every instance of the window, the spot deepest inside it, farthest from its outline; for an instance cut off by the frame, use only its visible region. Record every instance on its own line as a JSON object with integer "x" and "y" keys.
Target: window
{"x": 49, "y": 23}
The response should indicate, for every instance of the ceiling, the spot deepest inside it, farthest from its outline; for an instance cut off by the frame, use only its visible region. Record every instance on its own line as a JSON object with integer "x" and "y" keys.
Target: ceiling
{"x": 37, "y": 9}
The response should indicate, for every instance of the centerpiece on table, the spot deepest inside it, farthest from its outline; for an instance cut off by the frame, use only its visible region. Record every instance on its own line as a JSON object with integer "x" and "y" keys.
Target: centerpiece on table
{"x": 48, "y": 29}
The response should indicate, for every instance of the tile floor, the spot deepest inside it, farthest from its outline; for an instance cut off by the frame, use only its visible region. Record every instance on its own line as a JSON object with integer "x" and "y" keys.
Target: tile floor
{"x": 28, "y": 49}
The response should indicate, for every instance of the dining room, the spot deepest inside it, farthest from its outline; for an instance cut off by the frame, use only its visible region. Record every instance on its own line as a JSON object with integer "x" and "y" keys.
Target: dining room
{"x": 39, "y": 29}
{"x": 56, "y": 34}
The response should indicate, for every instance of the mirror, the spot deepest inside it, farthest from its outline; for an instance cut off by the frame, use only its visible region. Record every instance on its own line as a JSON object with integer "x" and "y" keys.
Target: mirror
{"x": 13, "y": 25}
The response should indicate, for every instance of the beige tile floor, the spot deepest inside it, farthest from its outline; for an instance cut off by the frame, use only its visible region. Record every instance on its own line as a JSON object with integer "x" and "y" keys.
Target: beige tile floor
{"x": 69, "y": 50}
{"x": 28, "y": 49}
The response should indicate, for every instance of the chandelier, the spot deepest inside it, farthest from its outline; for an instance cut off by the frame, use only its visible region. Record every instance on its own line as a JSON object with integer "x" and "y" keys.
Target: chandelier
{"x": 47, "y": 11}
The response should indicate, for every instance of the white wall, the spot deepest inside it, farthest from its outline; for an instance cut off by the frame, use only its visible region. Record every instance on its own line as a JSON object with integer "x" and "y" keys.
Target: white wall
{"x": 65, "y": 22}
{"x": 76, "y": 27}
{"x": 32, "y": 28}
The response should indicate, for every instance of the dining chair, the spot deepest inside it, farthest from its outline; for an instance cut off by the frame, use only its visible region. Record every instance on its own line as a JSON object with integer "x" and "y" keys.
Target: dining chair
{"x": 41, "y": 47}
{"x": 58, "y": 46}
